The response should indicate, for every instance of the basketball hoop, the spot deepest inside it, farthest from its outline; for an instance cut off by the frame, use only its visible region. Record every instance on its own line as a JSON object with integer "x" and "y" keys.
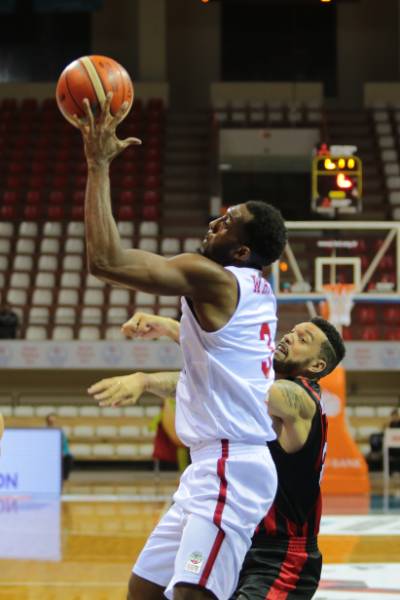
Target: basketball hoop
{"x": 339, "y": 302}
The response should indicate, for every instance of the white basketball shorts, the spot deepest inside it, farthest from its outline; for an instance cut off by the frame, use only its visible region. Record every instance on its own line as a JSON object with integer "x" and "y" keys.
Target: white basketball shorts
{"x": 203, "y": 538}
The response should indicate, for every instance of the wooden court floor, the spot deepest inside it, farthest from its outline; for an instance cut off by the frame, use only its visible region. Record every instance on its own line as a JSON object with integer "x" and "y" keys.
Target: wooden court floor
{"x": 83, "y": 549}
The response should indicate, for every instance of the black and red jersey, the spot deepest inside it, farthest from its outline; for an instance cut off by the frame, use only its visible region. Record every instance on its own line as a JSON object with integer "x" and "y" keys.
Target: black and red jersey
{"x": 296, "y": 511}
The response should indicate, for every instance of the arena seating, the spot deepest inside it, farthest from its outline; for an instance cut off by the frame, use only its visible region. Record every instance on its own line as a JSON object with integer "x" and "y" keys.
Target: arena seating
{"x": 43, "y": 272}
{"x": 267, "y": 114}
{"x": 105, "y": 434}
{"x": 126, "y": 433}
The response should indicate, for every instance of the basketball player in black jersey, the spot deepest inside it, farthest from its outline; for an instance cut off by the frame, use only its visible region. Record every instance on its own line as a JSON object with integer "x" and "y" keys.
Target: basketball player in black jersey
{"x": 284, "y": 561}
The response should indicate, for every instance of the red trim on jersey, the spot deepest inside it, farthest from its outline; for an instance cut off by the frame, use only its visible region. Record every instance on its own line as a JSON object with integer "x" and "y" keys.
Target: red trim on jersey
{"x": 289, "y": 573}
{"x": 217, "y": 519}
{"x": 306, "y": 383}
{"x": 324, "y": 431}
{"x": 291, "y": 528}
{"x": 270, "y": 523}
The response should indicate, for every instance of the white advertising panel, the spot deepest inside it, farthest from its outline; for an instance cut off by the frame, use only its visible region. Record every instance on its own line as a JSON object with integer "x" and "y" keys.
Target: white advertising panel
{"x": 29, "y": 528}
{"x": 30, "y": 462}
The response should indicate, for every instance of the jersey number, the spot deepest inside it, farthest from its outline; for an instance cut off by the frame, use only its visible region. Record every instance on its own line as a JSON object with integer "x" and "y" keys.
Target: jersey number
{"x": 265, "y": 334}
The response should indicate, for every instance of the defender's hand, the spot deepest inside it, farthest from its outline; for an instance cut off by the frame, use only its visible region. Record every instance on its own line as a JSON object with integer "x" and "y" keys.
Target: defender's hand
{"x": 119, "y": 391}
{"x": 100, "y": 140}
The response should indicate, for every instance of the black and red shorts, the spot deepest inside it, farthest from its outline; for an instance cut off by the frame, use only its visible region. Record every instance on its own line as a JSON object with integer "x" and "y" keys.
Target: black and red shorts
{"x": 280, "y": 569}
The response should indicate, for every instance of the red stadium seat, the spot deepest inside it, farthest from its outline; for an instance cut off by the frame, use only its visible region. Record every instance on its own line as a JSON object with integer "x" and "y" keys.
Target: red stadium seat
{"x": 8, "y": 213}
{"x": 132, "y": 153}
{"x": 370, "y": 333}
{"x": 391, "y": 315}
{"x": 38, "y": 167}
{"x": 32, "y": 212}
{"x": 37, "y": 182}
{"x": 150, "y": 213}
{"x": 125, "y": 213}
{"x": 57, "y": 197}
{"x": 55, "y": 213}
{"x": 151, "y": 198}
{"x": 392, "y": 333}
{"x": 388, "y": 278}
{"x": 78, "y": 197}
{"x": 129, "y": 182}
{"x": 16, "y": 168}
{"x": 153, "y": 153}
{"x": 152, "y": 182}
{"x": 347, "y": 334}
{"x": 61, "y": 167}
{"x": 127, "y": 197}
{"x": 365, "y": 314}
{"x": 387, "y": 263}
{"x": 154, "y": 128}
{"x": 33, "y": 197}
{"x": 14, "y": 183}
{"x": 152, "y": 168}
{"x": 361, "y": 246}
{"x": 10, "y": 197}
{"x": 80, "y": 182}
{"x": 59, "y": 181}
{"x": 77, "y": 213}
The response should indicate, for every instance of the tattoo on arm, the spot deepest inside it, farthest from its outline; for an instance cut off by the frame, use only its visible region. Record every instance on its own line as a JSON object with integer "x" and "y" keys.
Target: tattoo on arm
{"x": 163, "y": 384}
{"x": 292, "y": 396}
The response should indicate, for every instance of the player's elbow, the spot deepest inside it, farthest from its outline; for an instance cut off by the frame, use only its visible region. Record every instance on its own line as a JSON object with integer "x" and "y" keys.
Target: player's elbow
{"x": 101, "y": 265}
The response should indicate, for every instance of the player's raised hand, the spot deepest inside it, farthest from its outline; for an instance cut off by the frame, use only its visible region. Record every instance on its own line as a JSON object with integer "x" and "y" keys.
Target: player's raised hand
{"x": 99, "y": 135}
{"x": 118, "y": 391}
{"x": 148, "y": 327}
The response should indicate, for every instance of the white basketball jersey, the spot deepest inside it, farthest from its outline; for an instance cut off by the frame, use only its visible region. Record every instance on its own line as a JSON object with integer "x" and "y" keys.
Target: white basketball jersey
{"x": 226, "y": 374}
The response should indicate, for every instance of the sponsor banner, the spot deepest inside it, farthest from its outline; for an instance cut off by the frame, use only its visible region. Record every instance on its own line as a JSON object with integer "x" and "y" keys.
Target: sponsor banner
{"x": 372, "y": 356}
{"x": 23, "y": 354}
{"x": 29, "y": 528}
{"x": 31, "y": 462}
{"x": 16, "y": 354}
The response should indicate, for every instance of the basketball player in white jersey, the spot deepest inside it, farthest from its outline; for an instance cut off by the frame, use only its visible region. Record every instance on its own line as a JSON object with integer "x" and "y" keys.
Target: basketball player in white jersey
{"x": 227, "y": 337}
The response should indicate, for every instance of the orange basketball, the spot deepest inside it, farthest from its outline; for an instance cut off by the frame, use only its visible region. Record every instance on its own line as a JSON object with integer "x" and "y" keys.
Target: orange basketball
{"x": 92, "y": 77}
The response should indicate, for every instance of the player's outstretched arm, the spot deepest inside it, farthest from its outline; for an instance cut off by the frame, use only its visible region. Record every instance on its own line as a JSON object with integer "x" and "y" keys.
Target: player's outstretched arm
{"x": 289, "y": 402}
{"x": 126, "y": 390}
{"x": 291, "y": 410}
{"x": 187, "y": 274}
{"x": 1, "y": 426}
{"x": 150, "y": 327}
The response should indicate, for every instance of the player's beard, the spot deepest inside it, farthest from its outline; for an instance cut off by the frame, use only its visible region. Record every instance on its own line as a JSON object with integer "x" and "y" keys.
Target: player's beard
{"x": 290, "y": 368}
{"x": 221, "y": 254}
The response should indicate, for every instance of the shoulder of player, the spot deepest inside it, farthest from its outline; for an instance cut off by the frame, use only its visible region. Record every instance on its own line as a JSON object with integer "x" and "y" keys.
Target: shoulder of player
{"x": 200, "y": 268}
{"x": 291, "y": 399}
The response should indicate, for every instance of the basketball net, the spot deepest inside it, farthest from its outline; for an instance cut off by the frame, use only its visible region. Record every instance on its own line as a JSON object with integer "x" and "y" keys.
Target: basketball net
{"x": 339, "y": 302}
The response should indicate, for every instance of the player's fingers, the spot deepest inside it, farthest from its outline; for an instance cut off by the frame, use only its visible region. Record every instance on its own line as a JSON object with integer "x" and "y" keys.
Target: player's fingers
{"x": 106, "y": 109}
{"x": 113, "y": 386}
{"x": 131, "y": 141}
{"x": 99, "y": 386}
{"x": 120, "y": 115}
{"x": 77, "y": 122}
{"x": 130, "y": 328}
{"x": 88, "y": 113}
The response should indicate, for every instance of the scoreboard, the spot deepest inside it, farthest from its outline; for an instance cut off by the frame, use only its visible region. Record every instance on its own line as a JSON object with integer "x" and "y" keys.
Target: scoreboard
{"x": 336, "y": 180}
